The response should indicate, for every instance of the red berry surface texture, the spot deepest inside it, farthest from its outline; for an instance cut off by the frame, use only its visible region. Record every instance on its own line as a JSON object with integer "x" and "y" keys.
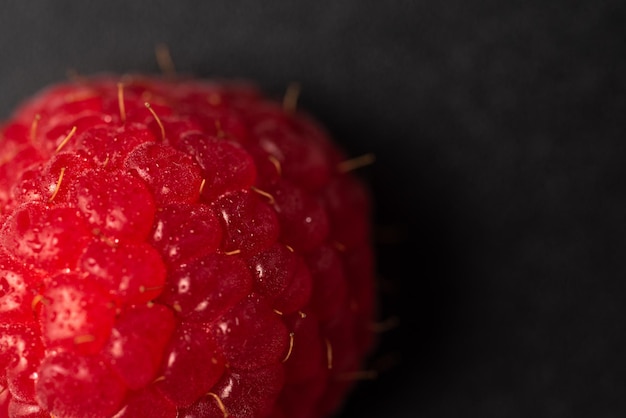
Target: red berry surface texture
{"x": 178, "y": 248}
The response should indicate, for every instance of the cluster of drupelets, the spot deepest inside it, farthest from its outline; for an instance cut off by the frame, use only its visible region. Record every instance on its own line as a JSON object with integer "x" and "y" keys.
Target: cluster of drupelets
{"x": 179, "y": 247}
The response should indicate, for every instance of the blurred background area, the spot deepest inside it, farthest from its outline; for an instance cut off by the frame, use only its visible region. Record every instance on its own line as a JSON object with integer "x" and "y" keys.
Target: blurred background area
{"x": 499, "y": 135}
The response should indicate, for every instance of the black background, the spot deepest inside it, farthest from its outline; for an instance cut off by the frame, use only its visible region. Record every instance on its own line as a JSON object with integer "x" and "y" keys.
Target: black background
{"x": 500, "y": 143}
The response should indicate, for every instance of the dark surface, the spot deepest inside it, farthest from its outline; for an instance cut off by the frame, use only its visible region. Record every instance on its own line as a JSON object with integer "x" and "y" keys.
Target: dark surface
{"x": 500, "y": 143}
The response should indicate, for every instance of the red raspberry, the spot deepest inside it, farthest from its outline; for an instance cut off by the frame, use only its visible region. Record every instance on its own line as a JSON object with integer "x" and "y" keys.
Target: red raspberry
{"x": 174, "y": 247}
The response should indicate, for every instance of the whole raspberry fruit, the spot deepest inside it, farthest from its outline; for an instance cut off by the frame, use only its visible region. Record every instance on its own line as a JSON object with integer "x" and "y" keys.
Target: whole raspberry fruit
{"x": 178, "y": 248}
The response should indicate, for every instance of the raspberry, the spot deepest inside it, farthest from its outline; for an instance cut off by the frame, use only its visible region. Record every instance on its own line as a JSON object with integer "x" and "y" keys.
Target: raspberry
{"x": 176, "y": 247}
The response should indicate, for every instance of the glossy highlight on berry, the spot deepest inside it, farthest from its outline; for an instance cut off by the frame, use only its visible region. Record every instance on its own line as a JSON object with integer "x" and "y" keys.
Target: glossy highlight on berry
{"x": 179, "y": 247}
